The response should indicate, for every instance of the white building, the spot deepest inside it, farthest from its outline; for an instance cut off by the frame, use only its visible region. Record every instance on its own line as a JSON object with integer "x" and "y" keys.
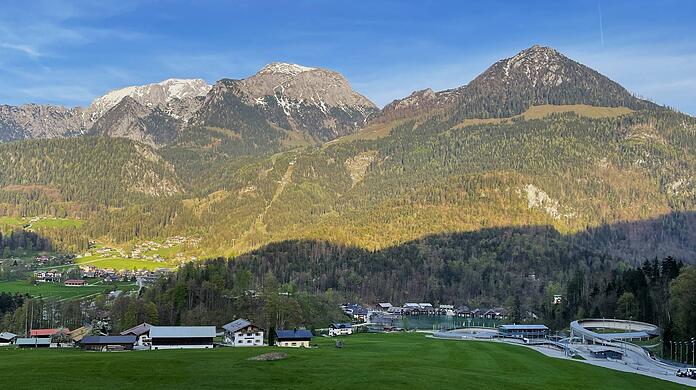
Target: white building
{"x": 340, "y": 329}
{"x": 293, "y": 338}
{"x": 182, "y": 337}
{"x": 242, "y": 333}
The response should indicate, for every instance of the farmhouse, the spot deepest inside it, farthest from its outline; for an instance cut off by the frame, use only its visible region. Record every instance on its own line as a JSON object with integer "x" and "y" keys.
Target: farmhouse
{"x": 108, "y": 343}
{"x": 340, "y": 329}
{"x": 75, "y": 282}
{"x": 33, "y": 342}
{"x": 293, "y": 338}
{"x": 182, "y": 337}
{"x": 6, "y": 338}
{"x": 141, "y": 332}
{"x": 242, "y": 333}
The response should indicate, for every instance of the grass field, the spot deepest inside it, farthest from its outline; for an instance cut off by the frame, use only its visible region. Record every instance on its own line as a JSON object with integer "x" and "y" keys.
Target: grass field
{"x": 9, "y": 223}
{"x": 376, "y": 361}
{"x": 56, "y": 290}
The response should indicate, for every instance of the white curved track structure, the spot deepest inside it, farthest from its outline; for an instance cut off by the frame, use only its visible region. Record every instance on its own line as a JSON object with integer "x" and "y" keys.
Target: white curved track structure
{"x": 635, "y": 356}
{"x": 632, "y": 330}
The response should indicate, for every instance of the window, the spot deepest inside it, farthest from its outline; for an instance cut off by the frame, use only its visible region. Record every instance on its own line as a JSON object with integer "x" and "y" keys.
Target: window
{"x": 248, "y": 341}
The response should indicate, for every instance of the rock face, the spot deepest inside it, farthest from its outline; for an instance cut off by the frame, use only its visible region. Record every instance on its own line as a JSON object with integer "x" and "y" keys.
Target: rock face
{"x": 132, "y": 120}
{"x": 39, "y": 121}
{"x": 177, "y": 97}
{"x": 314, "y": 101}
{"x": 280, "y": 98}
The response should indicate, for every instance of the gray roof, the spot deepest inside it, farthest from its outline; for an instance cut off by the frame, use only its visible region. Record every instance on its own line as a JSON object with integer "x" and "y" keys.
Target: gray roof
{"x": 297, "y": 334}
{"x": 106, "y": 340}
{"x": 137, "y": 330}
{"x": 182, "y": 331}
{"x": 523, "y": 327}
{"x": 33, "y": 341}
{"x": 236, "y": 325}
{"x": 7, "y": 336}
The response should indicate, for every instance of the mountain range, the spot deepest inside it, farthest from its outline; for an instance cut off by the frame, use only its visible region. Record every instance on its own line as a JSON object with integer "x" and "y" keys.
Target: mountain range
{"x": 293, "y": 153}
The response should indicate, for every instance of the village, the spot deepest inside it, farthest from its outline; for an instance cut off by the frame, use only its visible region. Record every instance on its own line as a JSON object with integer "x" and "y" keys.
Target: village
{"x": 241, "y": 332}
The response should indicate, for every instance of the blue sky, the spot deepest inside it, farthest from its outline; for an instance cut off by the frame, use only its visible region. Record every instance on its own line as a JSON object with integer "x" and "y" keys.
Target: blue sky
{"x": 68, "y": 52}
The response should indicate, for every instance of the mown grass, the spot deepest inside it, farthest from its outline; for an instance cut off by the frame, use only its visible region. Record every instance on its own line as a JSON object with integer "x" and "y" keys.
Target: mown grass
{"x": 397, "y": 361}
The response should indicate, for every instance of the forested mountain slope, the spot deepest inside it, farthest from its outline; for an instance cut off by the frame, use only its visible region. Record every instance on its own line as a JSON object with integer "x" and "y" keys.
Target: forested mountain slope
{"x": 542, "y": 140}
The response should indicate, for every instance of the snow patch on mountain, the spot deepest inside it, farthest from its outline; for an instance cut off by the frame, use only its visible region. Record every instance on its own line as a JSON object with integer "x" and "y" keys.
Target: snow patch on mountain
{"x": 284, "y": 68}
{"x": 149, "y": 95}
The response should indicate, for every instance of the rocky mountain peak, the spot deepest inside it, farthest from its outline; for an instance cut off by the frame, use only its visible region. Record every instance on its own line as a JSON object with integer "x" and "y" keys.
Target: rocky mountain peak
{"x": 149, "y": 95}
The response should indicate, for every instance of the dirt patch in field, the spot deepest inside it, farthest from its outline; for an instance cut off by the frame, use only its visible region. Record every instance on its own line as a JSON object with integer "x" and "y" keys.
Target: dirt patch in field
{"x": 266, "y": 357}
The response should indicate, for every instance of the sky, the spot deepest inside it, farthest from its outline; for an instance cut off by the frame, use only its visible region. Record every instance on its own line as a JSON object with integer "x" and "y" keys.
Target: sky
{"x": 69, "y": 52}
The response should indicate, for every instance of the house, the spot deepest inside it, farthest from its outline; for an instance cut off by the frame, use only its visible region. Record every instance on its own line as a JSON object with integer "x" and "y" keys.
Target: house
{"x": 340, "y": 329}
{"x": 47, "y": 276}
{"x": 523, "y": 331}
{"x": 47, "y": 332}
{"x": 243, "y": 333}
{"x": 395, "y": 310}
{"x": 478, "y": 313}
{"x": 293, "y": 338}
{"x": 446, "y": 310}
{"x": 33, "y": 342}
{"x": 75, "y": 282}
{"x": 384, "y": 306}
{"x": 497, "y": 313}
{"x": 463, "y": 311}
{"x": 7, "y": 338}
{"x": 108, "y": 343}
{"x": 356, "y": 311}
{"x": 182, "y": 337}
{"x": 427, "y": 308}
{"x": 141, "y": 332}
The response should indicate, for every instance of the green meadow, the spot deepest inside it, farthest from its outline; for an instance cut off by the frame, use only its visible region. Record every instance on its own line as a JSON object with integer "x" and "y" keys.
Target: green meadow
{"x": 376, "y": 361}
{"x": 57, "y": 290}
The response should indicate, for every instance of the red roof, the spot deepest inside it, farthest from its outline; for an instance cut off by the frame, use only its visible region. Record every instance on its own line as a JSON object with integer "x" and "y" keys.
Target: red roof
{"x": 47, "y": 332}
{"x": 75, "y": 281}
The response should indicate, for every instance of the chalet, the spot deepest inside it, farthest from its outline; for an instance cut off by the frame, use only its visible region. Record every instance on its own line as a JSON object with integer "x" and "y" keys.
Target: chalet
{"x": 7, "y": 338}
{"x": 243, "y": 333}
{"x": 33, "y": 342}
{"x": 293, "y": 338}
{"x": 384, "y": 306}
{"x": 495, "y": 314}
{"x": 108, "y": 343}
{"x": 478, "y": 313}
{"x": 75, "y": 282}
{"x": 182, "y": 337}
{"x": 463, "y": 311}
{"x": 340, "y": 329}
